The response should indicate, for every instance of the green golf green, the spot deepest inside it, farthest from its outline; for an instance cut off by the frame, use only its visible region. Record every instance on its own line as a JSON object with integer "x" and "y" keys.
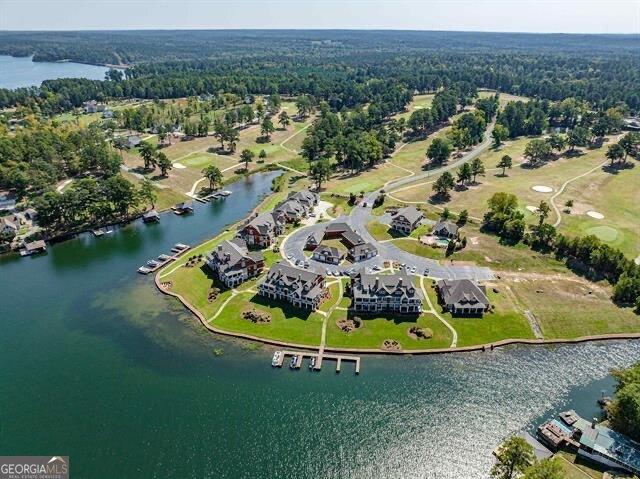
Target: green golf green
{"x": 605, "y": 233}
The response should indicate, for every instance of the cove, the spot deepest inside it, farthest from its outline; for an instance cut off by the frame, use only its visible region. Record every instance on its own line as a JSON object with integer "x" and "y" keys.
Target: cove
{"x": 96, "y": 364}
{"x": 19, "y": 72}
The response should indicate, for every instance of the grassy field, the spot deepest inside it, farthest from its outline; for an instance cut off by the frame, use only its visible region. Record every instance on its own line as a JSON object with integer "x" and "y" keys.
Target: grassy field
{"x": 578, "y": 468}
{"x": 194, "y": 155}
{"x": 340, "y": 203}
{"x": 415, "y": 247}
{"x": 287, "y": 323}
{"x": 505, "y": 321}
{"x": 378, "y": 230}
{"x": 368, "y": 180}
{"x": 418, "y": 102}
{"x": 413, "y": 156}
{"x": 617, "y": 197}
{"x": 569, "y": 307}
{"x": 519, "y": 180}
{"x": 375, "y": 330}
{"x": 504, "y": 97}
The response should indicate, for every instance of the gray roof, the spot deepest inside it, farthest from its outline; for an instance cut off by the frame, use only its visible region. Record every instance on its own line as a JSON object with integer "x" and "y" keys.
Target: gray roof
{"x": 360, "y": 249}
{"x": 352, "y": 237}
{"x": 264, "y": 222}
{"x": 9, "y": 222}
{"x": 228, "y": 254}
{"x": 290, "y": 207}
{"x": 338, "y": 228}
{"x": 373, "y": 285}
{"x": 462, "y": 293}
{"x": 410, "y": 213}
{"x": 304, "y": 196}
{"x": 298, "y": 281}
{"x": 316, "y": 235}
{"x": 328, "y": 251}
{"x": 612, "y": 445}
{"x": 450, "y": 227}
{"x": 344, "y": 230}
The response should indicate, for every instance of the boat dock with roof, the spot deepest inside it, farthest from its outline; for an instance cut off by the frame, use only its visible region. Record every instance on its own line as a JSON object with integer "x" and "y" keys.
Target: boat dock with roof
{"x": 593, "y": 441}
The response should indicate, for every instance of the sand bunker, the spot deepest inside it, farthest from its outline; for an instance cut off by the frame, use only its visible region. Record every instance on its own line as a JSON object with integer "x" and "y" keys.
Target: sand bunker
{"x": 637, "y": 260}
{"x": 179, "y": 166}
{"x": 542, "y": 189}
{"x": 533, "y": 209}
{"x": 595, "y": 214}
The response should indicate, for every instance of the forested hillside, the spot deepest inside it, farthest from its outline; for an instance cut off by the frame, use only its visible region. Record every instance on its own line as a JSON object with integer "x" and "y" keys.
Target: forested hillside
{"x": 334, "y": 66}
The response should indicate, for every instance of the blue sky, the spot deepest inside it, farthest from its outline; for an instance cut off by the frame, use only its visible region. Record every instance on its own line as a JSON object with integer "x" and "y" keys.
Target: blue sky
{"x": 567, "y": 16}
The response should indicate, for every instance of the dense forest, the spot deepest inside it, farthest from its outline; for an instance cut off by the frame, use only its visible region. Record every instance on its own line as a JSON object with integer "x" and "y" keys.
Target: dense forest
{"x": 338, "y": 67}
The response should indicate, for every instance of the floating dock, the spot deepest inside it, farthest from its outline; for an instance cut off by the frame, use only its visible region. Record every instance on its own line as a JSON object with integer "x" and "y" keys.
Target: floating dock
{"x": 102, "y": 231}
{"x": 213, "y": 196}
{"x": 164, "y": 259}
{"x": 319, "y": 357}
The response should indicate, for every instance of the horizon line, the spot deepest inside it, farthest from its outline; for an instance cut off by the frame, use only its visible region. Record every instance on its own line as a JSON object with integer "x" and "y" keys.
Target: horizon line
{"x": 377, "y": 29}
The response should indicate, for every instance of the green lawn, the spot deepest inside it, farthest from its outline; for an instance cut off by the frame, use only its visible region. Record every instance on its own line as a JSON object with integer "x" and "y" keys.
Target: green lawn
{"x": 375, "y": 330}
{"x": 340, "y": 203}
{"x": 616, "y": 197}
{"x": 569, "y": 309}
{"x": 378, "y": 230}
{"x": 334, "y": 291}
{"x": 418, "y": 102}
{"x": 506, "y": 321}
{"x": 287, "y": 323}
{"x": 415, "y": 247}
{"x": 367, "y": 180}
{"x": 518, "y": 180}
{"x": 578, "y": 468}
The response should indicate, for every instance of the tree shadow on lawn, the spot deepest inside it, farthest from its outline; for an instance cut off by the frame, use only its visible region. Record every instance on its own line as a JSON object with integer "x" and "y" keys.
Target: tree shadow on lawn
{"x": 395, "y": 234}
{"x": 288, "y": 310}
{"x": 617, "y": 167}
{"x": 438, "y": 199}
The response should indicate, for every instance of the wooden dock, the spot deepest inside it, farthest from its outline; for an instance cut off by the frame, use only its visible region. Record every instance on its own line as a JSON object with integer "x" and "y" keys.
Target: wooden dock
{"x": 319, "y": 357}
{"x": 164, "y": 259}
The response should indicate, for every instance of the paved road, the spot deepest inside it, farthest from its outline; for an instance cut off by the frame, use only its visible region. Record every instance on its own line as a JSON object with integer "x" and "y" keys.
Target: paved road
{"x": 293, "y": 246}
{"x": 488, "y": 140}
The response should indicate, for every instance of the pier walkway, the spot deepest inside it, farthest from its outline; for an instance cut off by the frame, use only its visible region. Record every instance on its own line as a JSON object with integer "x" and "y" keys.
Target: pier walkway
{"x": 319, "y": 358}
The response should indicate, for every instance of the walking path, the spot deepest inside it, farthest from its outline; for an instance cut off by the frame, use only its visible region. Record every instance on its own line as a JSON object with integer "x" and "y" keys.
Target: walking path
{"x": 561, "y": 190}
{"x": 396, "y": 185}
{"x": 432, "y": 310}
{"x": 192, "y": 192}
{"x": 290, "y": 137}
{"x": 302, "y": 173}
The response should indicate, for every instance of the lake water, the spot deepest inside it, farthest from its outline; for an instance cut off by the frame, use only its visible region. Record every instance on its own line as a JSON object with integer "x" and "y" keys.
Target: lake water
{"x": 16, "y": 72}
{"x": 98, "y": 365}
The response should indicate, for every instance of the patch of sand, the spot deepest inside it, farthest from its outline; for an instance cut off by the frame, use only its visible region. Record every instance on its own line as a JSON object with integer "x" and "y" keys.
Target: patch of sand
{"x": 179, "y": 166}
{"x": 594, "y": 214}
{"x": 637, "y": 260}
{"x": 533, "y": 209}
{"x": 542, "y": 189}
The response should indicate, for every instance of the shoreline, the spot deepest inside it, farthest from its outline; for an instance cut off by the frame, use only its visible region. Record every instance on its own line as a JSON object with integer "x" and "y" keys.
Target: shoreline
{"x": 427, "y": 351}
{"x": 59, "y": 238}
